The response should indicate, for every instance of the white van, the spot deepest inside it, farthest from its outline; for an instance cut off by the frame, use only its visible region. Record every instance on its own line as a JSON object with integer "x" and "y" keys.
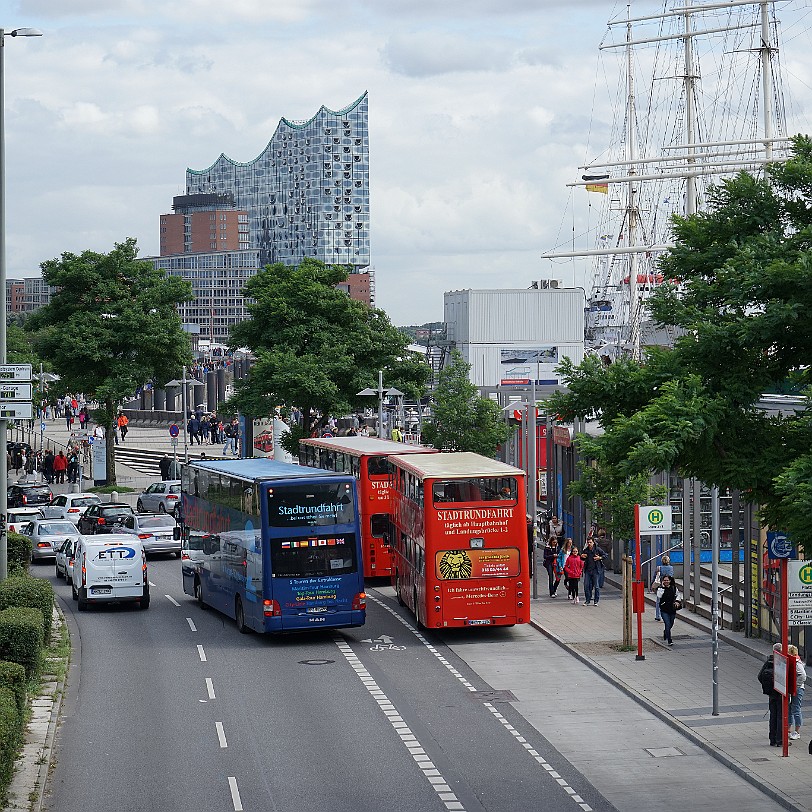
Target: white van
{"x": 110, "y": 568}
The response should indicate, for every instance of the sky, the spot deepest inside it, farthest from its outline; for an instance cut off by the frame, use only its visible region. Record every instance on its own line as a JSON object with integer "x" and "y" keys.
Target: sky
{"x": 480, "y": 113}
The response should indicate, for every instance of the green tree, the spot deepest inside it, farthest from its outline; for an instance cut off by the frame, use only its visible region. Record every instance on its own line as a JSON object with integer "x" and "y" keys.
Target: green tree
{"x": 740, "y": 297}
{"x": 315, "y": 347}
{"x": 110, "y": 327}
{"x": 462, "y": 420}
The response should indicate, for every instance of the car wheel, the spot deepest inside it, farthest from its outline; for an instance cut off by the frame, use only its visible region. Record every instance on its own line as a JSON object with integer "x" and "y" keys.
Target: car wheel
{"x": 139, "y": 506}
{"x": 239, "y": 616}
{"x": 199, "y": 593}
{"x": 144, "y": 602}
{"x": 161, "y": 508}
{"x": 58, "y": 573}
{"x": 74, "y": 593}
{"x": 82, "y": 604}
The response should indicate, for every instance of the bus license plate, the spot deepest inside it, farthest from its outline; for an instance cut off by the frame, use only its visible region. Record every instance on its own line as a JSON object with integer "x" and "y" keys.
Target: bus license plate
{"x": 316, "y": 609}
{"x": 479, "y": 623}
{"x": 101, "y": 590}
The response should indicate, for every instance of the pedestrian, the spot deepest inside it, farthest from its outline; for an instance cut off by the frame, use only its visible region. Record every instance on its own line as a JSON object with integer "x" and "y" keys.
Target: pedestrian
{"x": 665, "y": 568}
{"x": 68, "y": 416}
{"x": 123, "y": 422}
{"x": 48, "y": 466}
{"x": 397, "y": 435}
{"x": 594, "y": 571}
{"x": 60, "y": 466}
{"x": 164, "y": 465}
{"x": 556, "y": 528}
{"x": 193, "y": 428}
{"x": 82, "y": 418}
{"x": 561, "y": 562}
{"x": 232, "y": 433}
{"x": 205, "y": 429}
{"x": 574, "y": 568}
{"x": 550, "y": 553}
{"x": 214, "y": 423}
{"x": 795, "y": 713}
{"x": 670, "y": 603}
{"x": 73, "y": 464}
{"x": 766, "y": 676}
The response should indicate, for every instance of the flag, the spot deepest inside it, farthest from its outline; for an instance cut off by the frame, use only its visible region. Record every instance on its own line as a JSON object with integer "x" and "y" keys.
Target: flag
{"x": 593, "y": 183}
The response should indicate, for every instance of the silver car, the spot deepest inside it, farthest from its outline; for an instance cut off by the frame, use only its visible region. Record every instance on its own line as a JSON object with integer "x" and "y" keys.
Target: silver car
{"x": 70, "y": 506}
{"x": 160, "y": 497}
{"x": 47, "y": 536}
{"x": 155, "y": 530}
{"x": 64, "y": 560}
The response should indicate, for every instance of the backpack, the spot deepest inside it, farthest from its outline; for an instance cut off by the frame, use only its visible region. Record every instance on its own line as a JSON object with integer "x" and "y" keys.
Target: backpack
{"x": 766, "y": 677}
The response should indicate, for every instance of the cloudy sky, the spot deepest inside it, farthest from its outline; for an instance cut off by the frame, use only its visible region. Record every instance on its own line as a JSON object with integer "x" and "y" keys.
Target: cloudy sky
{"x": 480, "y": 113}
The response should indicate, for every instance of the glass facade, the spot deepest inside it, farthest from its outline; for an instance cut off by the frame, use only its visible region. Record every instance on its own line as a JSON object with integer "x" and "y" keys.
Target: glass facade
{"x": 307, "y": 193}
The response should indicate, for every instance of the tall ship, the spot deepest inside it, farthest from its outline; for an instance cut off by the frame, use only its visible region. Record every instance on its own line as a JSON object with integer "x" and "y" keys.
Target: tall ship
{"x": 701, "y": 97}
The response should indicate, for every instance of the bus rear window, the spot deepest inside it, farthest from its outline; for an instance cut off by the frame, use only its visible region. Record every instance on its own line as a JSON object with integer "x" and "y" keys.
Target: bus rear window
{"x": 313, "y": 556}
{"x": 378, "y": 466}
{"x": 311, "y": 505}
{"x": 476, "y": 489}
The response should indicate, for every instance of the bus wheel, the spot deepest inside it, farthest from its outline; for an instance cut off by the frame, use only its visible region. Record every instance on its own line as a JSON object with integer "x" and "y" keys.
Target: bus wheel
{"x": 397, "y": 589}
{"x": 239, "y": 616}
{"x": 417, "y": 612}
{"x": 199, "y": 593}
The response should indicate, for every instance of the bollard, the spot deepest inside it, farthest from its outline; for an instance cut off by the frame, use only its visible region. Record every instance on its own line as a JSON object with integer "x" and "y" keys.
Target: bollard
{"x": 114, "y": 496}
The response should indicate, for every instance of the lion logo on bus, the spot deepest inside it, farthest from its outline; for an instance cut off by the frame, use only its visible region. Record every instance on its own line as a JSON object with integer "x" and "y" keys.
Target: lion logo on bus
{"x": 455, "y": 564}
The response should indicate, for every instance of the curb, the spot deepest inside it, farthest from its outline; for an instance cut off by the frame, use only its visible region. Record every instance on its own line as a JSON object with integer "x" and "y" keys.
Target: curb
{"x": 666, "y": 717}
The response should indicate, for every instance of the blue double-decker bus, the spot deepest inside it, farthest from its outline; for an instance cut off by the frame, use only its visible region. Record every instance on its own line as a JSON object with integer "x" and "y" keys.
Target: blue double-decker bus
{"x": 275, "y": 546}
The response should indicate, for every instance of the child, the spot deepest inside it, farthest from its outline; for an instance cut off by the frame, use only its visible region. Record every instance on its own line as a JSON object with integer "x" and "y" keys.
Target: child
{"x": 573, "y": 568}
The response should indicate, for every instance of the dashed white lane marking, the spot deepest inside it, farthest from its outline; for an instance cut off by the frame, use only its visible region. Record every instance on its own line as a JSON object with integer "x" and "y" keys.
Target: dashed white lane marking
{"x": 221, "y": 735}
{"x": 235, "y": 794}
{"x": 461, "y": 678}
{"x": 191, "y": 624}
{"x": 210, "y": 688}
{"x": 202, "y": 654}
{"x": 150, "y": 583}
{"x": 171, "y": 600}
{"x": 424, "y": 763}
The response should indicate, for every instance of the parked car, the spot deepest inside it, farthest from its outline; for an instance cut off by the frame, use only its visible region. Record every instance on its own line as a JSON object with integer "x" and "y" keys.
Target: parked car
{"x": 47, "y": 536}
{"x": 102, "y": 518}
{"x": 25, "y": 494}
{"x": 156, "y": 531}
{"x": 70, "y": 506}
{"x": 64, "y": 559}
{"x": 17, "y": 517}
{"x": 160, "y": 497}
{"x": 110, "y": 569}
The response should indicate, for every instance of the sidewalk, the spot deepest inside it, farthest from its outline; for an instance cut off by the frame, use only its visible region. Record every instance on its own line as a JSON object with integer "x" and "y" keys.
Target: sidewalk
{"x": 675, "y": 683}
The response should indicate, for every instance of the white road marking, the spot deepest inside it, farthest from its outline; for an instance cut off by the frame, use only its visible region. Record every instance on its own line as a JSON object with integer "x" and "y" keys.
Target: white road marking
{"x": 432, "y": 774}
{"x": 150, "y": 583}
{"x": 221, "y": 734}
{"x": 527, "y": 746}
{"x": 202, "y": 654}
{"x": 235, "y": 794}
{"x": 171, "y": 600}
{"x": 191, "y": 624}
{"x": 210, "y": 688}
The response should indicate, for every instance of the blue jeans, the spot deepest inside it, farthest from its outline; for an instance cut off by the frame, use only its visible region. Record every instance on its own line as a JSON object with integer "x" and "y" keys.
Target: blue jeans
{"x": 668, "y": 620}
{"x": 592, "y": 581}
{"x": 796, "y": 716}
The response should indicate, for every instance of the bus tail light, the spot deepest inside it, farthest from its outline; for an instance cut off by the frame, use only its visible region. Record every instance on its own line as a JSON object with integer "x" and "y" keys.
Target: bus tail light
{"x": 271, "y": 608}
{"x": 360, "y": 601}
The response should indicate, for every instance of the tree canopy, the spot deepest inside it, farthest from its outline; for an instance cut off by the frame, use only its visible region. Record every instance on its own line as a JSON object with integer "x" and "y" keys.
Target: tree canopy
{"x": 111, "y": 326}
{"x": 740, "y": 296}
{"x": 462, "y": 420}
{"x": 315, "y": 347}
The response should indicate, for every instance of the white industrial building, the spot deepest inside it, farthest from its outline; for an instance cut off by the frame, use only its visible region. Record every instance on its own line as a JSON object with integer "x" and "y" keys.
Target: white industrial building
{"x": 516, "y": 336}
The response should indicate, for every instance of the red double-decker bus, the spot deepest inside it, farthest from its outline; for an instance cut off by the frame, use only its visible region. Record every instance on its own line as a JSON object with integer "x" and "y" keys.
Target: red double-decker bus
{"x": 367, "y": 459}
{"x": 460, "y": 540}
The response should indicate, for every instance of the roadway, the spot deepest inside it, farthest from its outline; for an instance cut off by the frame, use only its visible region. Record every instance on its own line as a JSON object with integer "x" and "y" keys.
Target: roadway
{"x": 173, "y": 709}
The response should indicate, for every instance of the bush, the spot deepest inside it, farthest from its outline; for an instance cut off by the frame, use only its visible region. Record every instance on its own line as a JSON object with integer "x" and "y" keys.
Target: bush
{"x": 37, "y": 593}
{"x": 19, "y": 552}
{"x": 11, "y": 727}
{"x": 12, "y": 676}
{"x": 21, "y": 637}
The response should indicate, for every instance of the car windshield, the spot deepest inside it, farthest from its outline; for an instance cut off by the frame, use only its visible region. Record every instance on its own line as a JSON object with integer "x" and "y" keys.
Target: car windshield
{"x": 156, "y": 521}
{"x": 82, "y": 501}
{"x": 56, "y": 529}
{"x": 37, "y": 490}
{"x": 122, "y": 510}
{"x": 174, "y": 489}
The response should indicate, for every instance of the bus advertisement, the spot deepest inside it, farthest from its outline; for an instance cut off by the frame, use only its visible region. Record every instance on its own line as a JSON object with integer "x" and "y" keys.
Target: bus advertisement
{"x": 367, "y": 459}
{"x": 461, "y": 553}
{"x": 275, "y": 546}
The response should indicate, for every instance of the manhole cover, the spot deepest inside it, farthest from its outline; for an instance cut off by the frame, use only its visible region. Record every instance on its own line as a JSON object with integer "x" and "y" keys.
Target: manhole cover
{"x": 494, "y": 696}
{"x": 316, "y": 662}
{"x": 664, "y": 752}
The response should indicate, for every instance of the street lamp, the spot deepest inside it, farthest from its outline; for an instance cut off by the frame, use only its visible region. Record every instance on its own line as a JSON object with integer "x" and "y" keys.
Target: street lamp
{"x": 381, "y": 393}
{"x": 17, "y": 32}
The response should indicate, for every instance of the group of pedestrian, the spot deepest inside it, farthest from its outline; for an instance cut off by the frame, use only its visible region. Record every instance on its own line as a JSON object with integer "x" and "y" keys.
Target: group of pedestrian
{"x": 563, "y": 560}
{"x": 766, "y": 676}
{"x": 209, "y": 429}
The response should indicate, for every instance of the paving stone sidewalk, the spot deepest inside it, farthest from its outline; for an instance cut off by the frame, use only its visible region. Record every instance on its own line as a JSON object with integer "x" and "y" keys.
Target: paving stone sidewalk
{"x": 676, "y": 683}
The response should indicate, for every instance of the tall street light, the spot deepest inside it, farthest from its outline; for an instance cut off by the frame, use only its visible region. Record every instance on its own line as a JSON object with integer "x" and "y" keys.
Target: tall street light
{"x": 381, "y": 393}
{"x": 17, "y": 32}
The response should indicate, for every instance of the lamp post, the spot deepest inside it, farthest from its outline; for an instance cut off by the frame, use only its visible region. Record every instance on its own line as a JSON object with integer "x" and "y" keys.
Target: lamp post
{"x": 17, "y": 32}
{"x": 381, "y": 393}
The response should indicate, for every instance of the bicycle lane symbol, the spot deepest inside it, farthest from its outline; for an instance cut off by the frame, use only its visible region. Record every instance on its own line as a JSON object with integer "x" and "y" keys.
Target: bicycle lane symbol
{"x": 383, "y": 643}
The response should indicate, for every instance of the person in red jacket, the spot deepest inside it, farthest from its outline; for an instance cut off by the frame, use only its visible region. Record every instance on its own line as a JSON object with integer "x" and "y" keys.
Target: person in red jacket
{"x": 60, "y": 466}
{"x": 573, "y": 569}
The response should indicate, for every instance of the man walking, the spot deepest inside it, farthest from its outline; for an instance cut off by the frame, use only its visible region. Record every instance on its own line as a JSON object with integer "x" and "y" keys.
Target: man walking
{"x": 232, "y": 437}
{"x": 593, "y": 570}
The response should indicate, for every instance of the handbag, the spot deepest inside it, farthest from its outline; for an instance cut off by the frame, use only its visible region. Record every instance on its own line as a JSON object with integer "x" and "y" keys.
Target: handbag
{"x": 677, "y": 605}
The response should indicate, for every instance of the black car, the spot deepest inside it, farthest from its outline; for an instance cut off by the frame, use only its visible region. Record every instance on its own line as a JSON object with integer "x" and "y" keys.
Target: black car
{"x": 28, "y": 494}
{"x": 103, "y": 518}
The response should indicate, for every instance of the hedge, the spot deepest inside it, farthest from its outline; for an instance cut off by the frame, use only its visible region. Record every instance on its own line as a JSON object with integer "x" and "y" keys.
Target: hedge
{"x": 12, "y": 675}
{"x": 37, "y": 593}
{"x": 11, "y": 727}
{"x": 21, "y": 637}
{"x": 19, "y": 552}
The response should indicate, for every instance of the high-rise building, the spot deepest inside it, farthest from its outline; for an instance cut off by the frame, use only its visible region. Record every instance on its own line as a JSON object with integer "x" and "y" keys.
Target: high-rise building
{"x": 203, "y": 223}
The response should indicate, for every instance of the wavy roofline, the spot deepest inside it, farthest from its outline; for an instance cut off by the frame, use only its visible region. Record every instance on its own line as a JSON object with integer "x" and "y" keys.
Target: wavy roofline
{"x": 288, "y": 123}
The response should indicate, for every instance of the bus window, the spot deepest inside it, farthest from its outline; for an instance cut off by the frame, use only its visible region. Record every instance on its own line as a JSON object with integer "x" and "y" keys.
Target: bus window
{"x": 311, "y": 505}
{"x": 380, "y": 527}
{"x": 480, "y": 489}
{"x": 378, "y": 466}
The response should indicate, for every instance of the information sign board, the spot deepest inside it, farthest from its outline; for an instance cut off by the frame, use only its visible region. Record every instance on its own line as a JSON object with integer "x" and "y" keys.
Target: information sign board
{"x": 15, "y": 391}
{"x": 655, "y": 520}
{"x": 15, "y": 372}
{"x": 799, "y": 593}
{"x": 16, "y": 411}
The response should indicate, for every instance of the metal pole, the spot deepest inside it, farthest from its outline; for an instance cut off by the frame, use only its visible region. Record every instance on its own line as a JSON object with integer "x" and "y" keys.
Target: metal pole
{"x": 637, "y": 588}
{"x": 3, "y": 317}
{"x": 715, "y": 545}
{"x": 532, "y": 479}
{"x": 380, "y": 404}
{"x": 784, "y": 651}
{"x": 185, "y": 417}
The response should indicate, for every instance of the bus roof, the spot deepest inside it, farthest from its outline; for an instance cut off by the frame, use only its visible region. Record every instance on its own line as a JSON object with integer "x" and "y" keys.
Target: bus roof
{"x": 366, "y": 446}
{"x": 261, "y": 468}
{"x": 454, "y": 464}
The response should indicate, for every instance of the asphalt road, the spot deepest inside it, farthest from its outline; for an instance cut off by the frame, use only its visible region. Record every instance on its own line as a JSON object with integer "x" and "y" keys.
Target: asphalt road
{"x": 173, "y": 709}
